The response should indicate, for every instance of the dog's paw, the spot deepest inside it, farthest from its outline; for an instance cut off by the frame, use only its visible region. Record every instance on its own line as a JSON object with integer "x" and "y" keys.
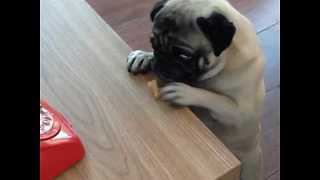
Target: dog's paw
{"x": 139, "y": 61}
{"x": 181, "y": 94}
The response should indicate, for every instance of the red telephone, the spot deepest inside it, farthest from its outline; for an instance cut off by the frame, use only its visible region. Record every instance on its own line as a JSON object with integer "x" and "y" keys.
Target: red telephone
{"x": 60, "y": 147}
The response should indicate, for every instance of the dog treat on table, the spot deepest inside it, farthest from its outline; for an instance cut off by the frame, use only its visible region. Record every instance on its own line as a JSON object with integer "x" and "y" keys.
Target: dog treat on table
{"x": 153, "y": 85}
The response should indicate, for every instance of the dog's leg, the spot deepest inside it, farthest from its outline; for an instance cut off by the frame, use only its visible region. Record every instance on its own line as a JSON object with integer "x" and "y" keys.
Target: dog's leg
{"x": 227, "y": 110}
{"x": 221, "y": 107}
{"x": 139, "y": 61}
{"x": 251, "y": 165}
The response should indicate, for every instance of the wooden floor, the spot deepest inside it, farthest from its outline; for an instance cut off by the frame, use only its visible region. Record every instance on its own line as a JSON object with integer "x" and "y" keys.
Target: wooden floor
{"x": 130, "y": 19}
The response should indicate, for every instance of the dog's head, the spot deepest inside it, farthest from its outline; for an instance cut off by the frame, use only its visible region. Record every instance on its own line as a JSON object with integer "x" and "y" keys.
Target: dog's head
{"x": 188, "y": 42}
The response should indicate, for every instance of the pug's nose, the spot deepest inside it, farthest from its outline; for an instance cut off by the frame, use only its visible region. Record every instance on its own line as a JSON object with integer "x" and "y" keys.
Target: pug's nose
{"x": 156, "y": 31}
{"x": 154, "y": 43}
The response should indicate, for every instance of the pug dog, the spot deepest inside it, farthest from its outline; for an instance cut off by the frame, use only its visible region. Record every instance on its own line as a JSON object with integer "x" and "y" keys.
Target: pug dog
{"x": 210, "y": 57}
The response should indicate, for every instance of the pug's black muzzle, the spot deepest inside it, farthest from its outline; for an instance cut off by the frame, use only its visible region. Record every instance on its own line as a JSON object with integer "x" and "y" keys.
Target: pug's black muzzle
{"x": 168, "y": 67}
{"x": 171, "y": 70}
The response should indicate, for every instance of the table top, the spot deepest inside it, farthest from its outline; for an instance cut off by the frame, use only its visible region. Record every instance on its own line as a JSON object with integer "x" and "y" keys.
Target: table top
{"x": 127, "y": 134}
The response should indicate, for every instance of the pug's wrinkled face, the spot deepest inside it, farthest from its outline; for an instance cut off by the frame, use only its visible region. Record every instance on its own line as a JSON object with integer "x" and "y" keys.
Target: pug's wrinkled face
{"x": 175, "y": 59}
{"x": 177, "y": 50}
{"x": 183, "y": 45}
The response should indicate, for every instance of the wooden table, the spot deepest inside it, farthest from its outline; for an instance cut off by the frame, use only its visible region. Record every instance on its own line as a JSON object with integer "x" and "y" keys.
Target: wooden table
{"x": 126, "y": 133}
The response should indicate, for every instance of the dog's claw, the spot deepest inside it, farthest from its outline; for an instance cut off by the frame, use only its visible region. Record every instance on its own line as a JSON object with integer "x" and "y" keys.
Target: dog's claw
{"x": 139, "y": 62}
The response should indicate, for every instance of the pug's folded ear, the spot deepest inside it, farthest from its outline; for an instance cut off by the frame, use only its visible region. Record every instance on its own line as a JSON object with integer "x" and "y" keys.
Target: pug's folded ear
{"x": 219, "y": 30}
{"x": 156, "y": 8}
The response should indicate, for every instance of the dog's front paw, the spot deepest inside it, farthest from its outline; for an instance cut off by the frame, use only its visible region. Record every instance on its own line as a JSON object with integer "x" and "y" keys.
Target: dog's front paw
{"x": 139, "y": 61}
{"x": 181, "y": 94}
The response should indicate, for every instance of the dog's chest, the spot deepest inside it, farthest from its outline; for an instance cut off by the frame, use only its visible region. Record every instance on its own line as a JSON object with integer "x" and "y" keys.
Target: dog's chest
{"x": 215, "y": 126}
{"x": 224, "y": 133}
{"x": 237, "y": 139}
{"x": 225, "y": 86}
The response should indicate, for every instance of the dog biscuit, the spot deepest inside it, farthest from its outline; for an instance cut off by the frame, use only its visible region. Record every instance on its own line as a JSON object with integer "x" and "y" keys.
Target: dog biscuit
{"x": 153, "y": 85}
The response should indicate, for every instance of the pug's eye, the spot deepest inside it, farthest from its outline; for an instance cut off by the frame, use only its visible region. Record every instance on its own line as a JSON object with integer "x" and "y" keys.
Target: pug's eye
{"x": 184, "y": 57}
{"x": 182, "y": 53}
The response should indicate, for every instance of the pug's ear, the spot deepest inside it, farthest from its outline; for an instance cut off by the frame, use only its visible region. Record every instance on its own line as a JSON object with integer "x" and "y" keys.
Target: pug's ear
{"x": 156, "y": 8}
{"x": 219, "y": 30}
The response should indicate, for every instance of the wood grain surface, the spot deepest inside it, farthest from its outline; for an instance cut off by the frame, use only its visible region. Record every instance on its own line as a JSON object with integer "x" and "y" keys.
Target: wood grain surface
{"x": 126, "y": 133}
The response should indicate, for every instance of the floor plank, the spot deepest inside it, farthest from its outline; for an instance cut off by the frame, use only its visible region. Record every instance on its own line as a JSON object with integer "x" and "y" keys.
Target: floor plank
{"x": 271, "y": 114}
{"x": 243, "y": 6}
{"x": 265, "y": 13}
{"x": 275, "y": 176}
{"x": 271, "y": 151}
{"x": 270, "y": 42}
{"x": 271, "y": 132}
{"x": 120, "y": 11}
{"x": 139, "y": 36}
